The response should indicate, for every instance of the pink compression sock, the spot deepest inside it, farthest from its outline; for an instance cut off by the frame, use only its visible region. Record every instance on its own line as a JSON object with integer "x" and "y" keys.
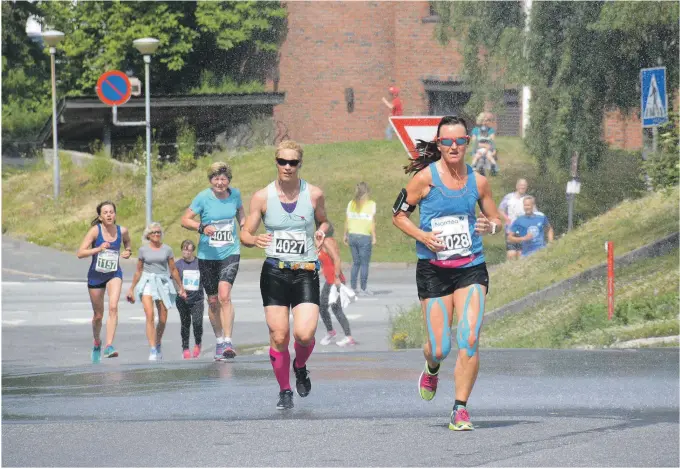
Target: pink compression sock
{"x": 281, "y": 364}
{"x": 302, "y": 353}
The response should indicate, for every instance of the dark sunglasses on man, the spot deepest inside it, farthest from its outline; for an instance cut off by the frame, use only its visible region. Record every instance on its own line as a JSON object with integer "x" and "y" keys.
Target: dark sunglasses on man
{"x": 283, "y": 162}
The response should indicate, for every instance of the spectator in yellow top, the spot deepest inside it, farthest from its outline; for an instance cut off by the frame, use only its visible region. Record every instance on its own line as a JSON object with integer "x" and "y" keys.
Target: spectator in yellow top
{"x": 360, "y": 235}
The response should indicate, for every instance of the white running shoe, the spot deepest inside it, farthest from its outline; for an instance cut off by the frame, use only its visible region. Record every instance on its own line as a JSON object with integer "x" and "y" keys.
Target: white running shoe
{"x": 328, "y": 338}
{"x": 153, "y": 355}
{"x": 345, "y": 342}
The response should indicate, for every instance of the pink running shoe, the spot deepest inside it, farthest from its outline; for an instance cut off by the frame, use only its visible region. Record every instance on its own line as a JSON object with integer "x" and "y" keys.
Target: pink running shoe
{"x": 428, "y": 385}
{"x": 197, "y": 351}
{"x": 460, "y": 420}
{"x": 186, "y": 354}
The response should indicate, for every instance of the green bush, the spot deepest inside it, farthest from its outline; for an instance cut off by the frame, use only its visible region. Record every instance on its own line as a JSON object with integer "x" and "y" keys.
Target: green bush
{"x": 99, "y": 169}
{"x": 407, "y": 329}
{"x": 617, "y": 177}
{"x": 663, "y": 167}
{"x": 186, "y": 146}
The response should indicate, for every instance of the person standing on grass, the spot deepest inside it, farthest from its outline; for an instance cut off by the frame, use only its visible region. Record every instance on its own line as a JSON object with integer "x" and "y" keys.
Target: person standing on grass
{"x": 531, "y": 229}
{"x": 102, "y": 242}
{"x": 512, "y": 207}
{"x": 451, "y": 273}
{"x": 360, "y": 235}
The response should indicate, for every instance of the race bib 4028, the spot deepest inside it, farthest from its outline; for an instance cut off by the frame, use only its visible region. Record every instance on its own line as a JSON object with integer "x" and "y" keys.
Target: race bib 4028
{"x": 455, "y": 234}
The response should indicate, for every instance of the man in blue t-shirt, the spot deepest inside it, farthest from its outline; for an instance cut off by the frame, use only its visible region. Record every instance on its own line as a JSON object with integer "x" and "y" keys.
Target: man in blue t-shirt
{"x": 530, "y": 229}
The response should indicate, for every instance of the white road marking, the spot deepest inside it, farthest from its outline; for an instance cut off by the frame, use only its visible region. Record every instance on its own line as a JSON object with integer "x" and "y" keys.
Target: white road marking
{"x": 12, "y": 322}
{"x": 77, "y": 320}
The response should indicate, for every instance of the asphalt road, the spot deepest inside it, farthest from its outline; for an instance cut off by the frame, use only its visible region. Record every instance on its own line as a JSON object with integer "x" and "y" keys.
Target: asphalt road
{"x": 531, "y": 407}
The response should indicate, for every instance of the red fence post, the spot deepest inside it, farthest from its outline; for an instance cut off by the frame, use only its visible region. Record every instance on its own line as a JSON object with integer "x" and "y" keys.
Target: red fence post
{"x": 610, "y": 279}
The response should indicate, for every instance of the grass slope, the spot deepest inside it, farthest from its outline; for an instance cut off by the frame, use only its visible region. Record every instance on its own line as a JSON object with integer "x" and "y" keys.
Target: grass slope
{"x": 646, "y": 305}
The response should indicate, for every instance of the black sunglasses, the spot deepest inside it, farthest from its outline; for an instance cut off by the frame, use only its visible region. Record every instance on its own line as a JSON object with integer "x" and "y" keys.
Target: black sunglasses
{"x": 283, "y": 162}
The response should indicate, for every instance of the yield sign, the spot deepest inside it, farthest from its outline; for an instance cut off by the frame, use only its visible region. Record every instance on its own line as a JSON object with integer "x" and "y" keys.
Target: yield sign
{"x": 412, "y": 128}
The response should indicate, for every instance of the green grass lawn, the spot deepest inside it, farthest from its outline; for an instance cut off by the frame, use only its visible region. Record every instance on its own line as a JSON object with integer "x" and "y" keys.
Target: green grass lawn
{"x": 646, "y": 305}
{"x": 29, "y": 211}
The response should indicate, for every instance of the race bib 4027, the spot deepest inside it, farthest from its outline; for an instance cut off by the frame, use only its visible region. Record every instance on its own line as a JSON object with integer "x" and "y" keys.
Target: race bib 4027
{"x": 289, "y": 242}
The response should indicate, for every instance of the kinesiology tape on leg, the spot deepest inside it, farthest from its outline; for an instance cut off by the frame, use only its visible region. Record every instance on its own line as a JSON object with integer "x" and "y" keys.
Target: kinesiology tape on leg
{"x": 446, "y": 332}
{"x": 463, "y": 335}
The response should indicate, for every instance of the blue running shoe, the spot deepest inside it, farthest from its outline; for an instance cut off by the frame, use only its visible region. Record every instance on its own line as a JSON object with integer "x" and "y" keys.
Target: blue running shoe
{"x": 110, "y": 352}
{"x": 97, "y": 353}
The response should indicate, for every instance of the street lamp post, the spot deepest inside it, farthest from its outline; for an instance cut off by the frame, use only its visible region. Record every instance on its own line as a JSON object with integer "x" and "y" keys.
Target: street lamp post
{"x": 147, "y": 47}
{"x": 52, "y": 38}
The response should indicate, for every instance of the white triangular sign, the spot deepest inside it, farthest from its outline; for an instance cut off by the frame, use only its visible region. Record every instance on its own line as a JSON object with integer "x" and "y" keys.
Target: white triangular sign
{"x": 654, "y": 108}
{"x": 412, "y": 128}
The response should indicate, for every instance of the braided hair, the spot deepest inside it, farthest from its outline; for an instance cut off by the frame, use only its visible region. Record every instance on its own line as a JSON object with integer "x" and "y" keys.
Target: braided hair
{"x": 428, "y": 152}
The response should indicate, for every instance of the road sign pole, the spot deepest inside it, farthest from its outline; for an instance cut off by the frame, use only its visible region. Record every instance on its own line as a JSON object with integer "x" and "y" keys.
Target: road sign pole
{"x": 55, "y": 146}
{"x": 147, "y": 98}
{"x": 610, "y": 280}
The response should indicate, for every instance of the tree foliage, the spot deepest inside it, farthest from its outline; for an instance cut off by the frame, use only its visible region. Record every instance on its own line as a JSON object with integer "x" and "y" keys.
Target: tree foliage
{"x": 231, "y": 42}
{"x": 580, "y": 59}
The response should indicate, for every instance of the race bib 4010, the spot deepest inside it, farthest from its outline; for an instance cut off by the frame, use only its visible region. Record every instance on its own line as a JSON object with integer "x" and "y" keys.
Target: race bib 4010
{"x": 455, "y": 234}
{"x": 289, "y": 242}
{"x": 223, "y": 235}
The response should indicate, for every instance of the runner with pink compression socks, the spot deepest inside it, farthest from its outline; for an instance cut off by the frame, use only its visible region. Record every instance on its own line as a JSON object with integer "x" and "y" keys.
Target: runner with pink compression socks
{"x": 290, "y": 208}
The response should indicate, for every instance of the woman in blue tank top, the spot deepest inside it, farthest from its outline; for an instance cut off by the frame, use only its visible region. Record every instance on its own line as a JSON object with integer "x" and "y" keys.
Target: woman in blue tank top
{"x": 103, "y": 242}
{"x": 451, "y": 273}
{"x": 291, "y": 209}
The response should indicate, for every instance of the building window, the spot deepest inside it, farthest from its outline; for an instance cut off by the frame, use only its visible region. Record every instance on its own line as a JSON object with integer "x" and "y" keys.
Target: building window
{"x": 432, "y": 16}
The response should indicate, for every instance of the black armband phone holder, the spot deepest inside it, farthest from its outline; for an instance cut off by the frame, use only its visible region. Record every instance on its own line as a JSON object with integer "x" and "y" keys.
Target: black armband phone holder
{"x": 400, "y": 205}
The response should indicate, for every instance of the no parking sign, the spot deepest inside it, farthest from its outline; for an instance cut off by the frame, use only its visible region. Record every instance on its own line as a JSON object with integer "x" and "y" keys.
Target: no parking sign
{"x": 114, "y": 88}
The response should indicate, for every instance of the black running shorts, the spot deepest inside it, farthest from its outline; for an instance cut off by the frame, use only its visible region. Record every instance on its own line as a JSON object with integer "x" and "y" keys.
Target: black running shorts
{"x": 214, "y": 272}
{"x": 286, "y": 287}
{"x": 435, "y": 282}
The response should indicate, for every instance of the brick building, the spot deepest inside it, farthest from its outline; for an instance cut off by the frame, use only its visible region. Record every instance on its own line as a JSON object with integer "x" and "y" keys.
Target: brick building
{"x": 339, "y": 59}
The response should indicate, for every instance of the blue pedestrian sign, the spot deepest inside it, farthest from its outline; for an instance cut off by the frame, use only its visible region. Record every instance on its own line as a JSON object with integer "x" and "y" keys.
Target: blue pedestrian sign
{"x": 654, "y": 100}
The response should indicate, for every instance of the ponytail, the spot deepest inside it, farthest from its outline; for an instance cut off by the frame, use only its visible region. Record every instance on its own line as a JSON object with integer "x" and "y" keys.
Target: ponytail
{"x": 428, "y": 152}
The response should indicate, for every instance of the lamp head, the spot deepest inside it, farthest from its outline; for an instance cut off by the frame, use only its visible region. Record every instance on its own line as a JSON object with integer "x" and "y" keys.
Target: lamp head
{"x": 52, "y": 38}
{"x": 146, "y": 46}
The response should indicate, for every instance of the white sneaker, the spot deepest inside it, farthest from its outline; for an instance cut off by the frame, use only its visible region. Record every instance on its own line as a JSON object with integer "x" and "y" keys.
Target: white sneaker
{"x": 345, "y": 342}
{"x": 367, "y": 293}
{"x": 328, "y": 338}
{"x": 153, "y": 355}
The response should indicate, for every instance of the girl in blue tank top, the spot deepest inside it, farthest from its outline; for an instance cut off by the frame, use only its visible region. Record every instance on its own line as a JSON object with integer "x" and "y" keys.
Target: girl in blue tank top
{"x": 103, "y": 242}
{"x": 451, "y": 274}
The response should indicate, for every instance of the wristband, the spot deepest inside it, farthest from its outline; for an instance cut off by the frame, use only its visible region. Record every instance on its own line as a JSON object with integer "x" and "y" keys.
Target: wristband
{"x": 201, "y": 227}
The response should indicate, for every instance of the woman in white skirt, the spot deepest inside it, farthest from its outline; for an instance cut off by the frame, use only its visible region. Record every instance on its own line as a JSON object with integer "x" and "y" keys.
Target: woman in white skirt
{"x": 152, "y": 284}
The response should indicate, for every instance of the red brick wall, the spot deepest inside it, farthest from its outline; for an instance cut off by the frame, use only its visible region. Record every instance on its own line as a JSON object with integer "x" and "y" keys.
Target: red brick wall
{"x": 367, "y": 46}
{"x": 621, "y": 131}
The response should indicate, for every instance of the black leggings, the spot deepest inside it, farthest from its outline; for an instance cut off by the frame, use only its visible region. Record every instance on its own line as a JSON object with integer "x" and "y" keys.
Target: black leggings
{"x": 189, "y": 313}
{"x": 337, "y": 310}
